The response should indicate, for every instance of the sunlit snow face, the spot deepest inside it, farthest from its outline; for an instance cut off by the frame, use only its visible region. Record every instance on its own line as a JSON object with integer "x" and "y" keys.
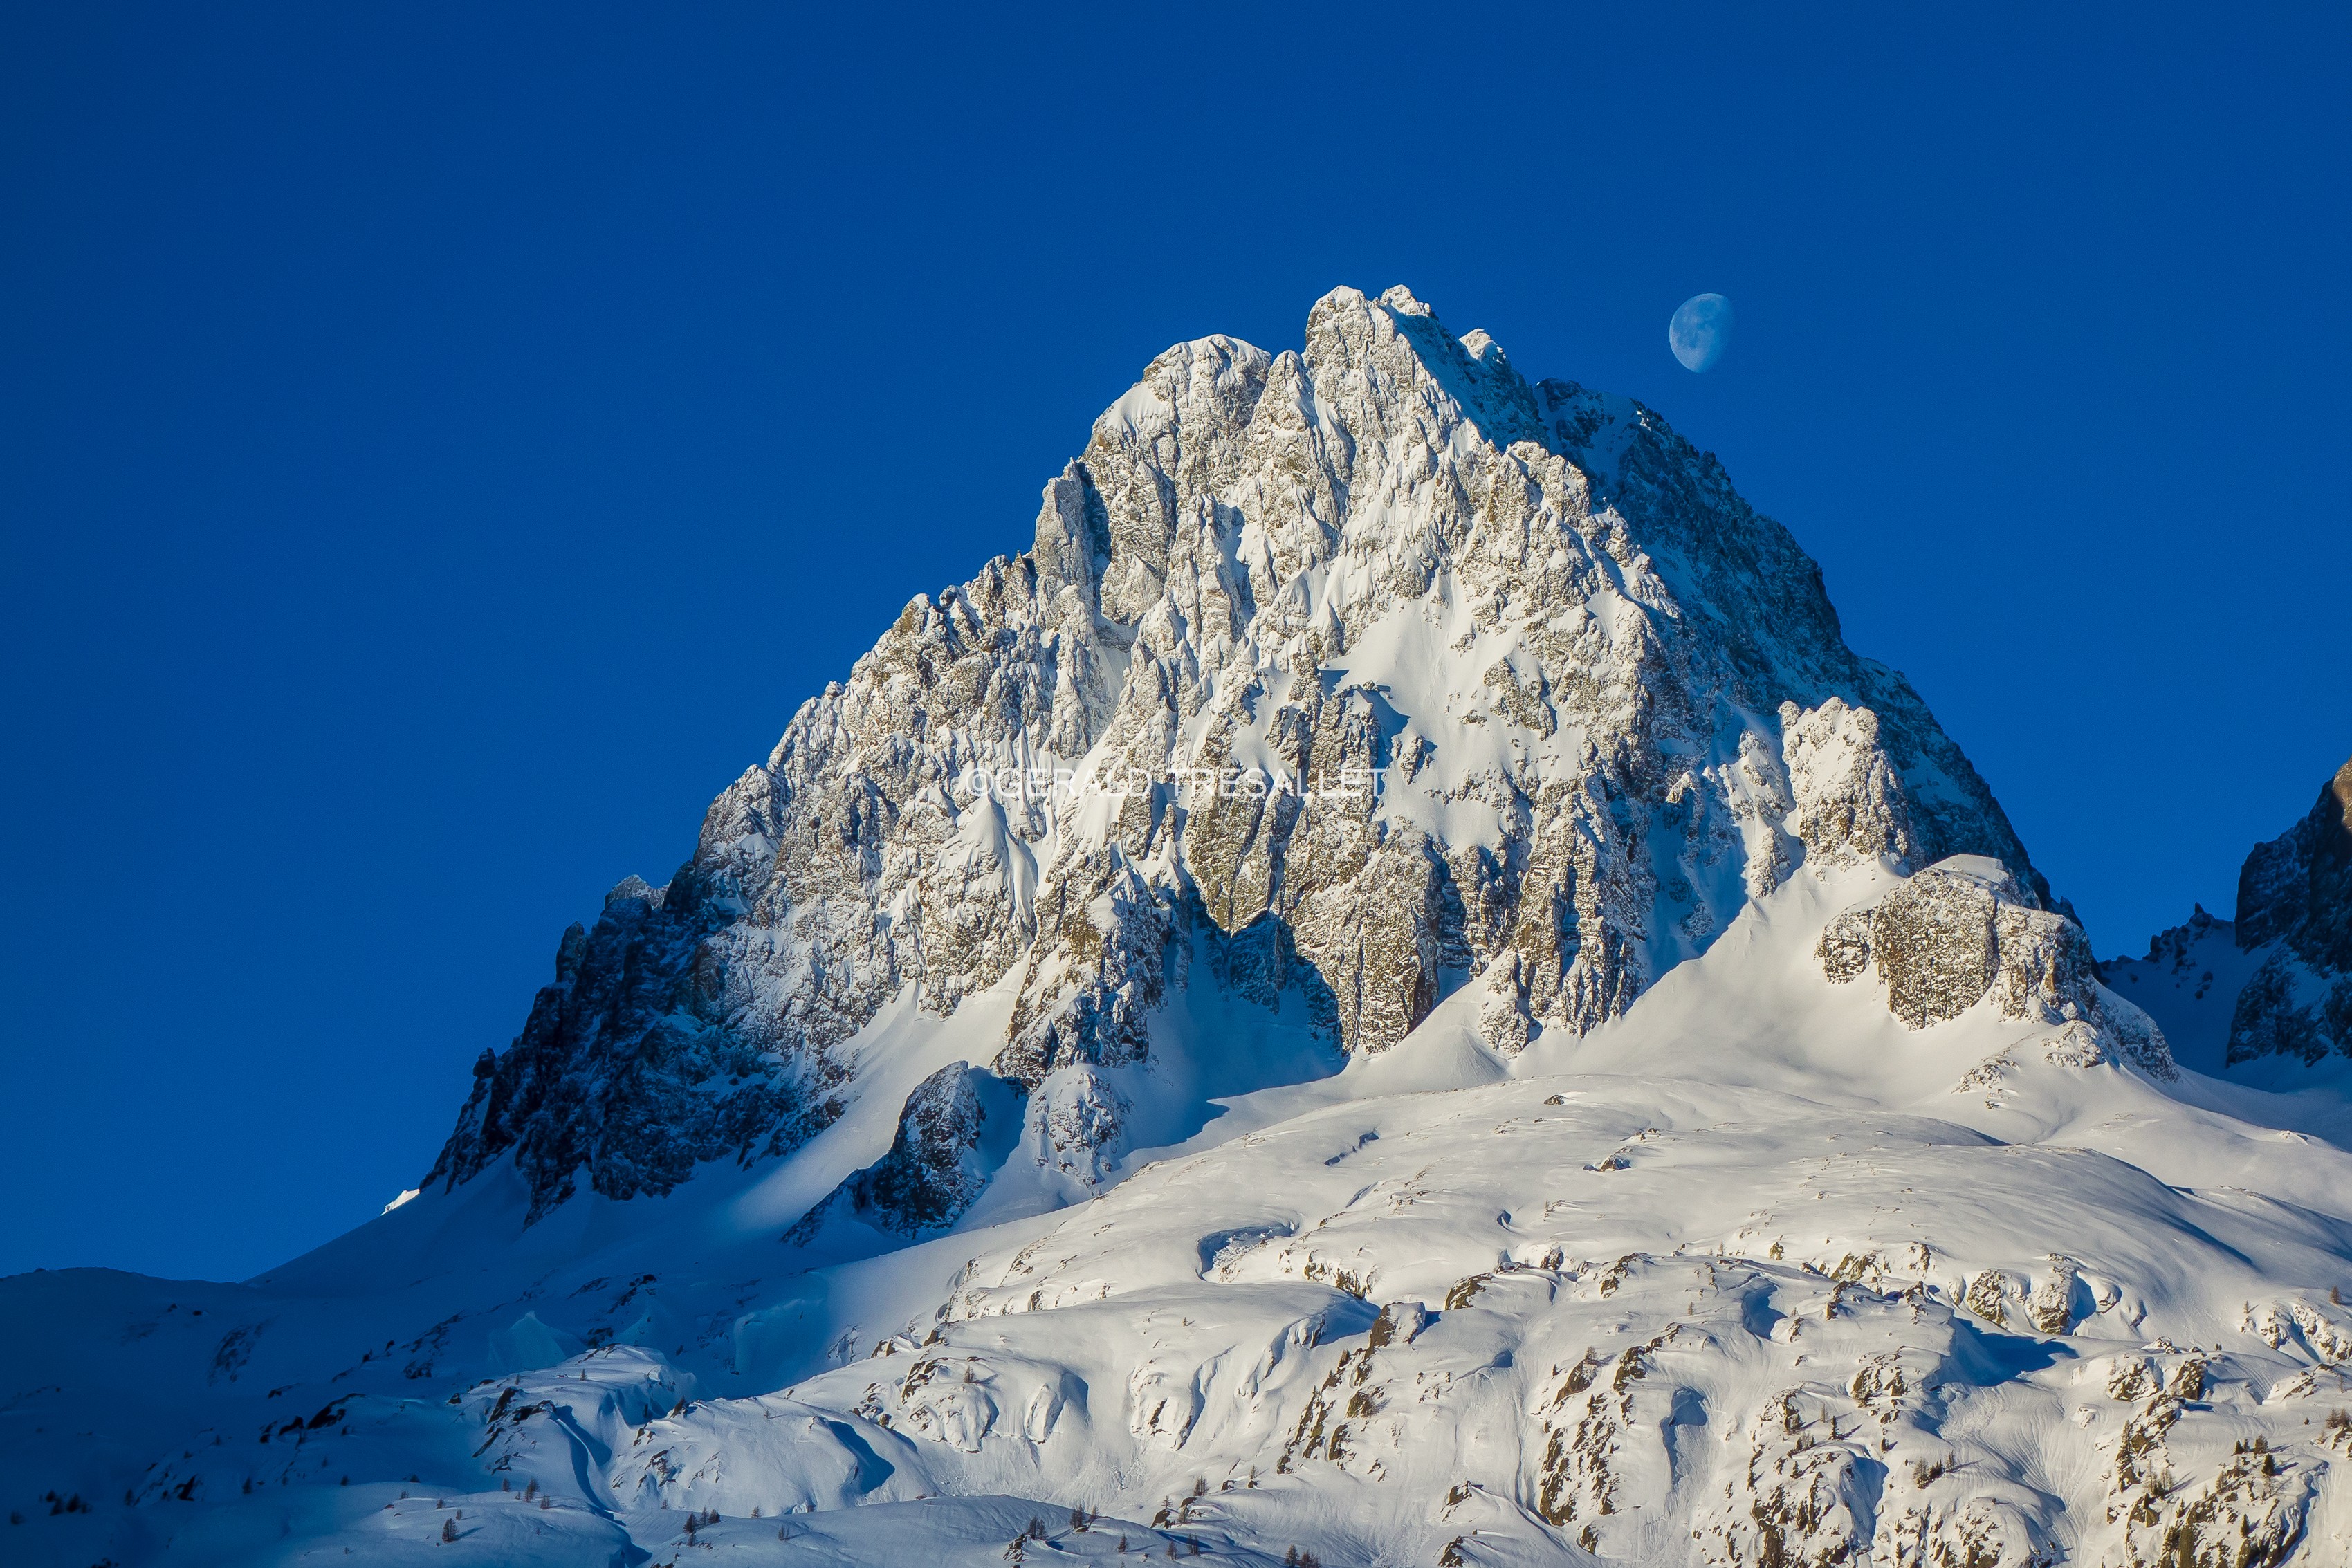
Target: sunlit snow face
{"x": 1700, "y": 331}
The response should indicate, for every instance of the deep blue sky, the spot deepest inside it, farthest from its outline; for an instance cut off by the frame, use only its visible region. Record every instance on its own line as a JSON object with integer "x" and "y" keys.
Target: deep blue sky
{"x": 441, "y": 445}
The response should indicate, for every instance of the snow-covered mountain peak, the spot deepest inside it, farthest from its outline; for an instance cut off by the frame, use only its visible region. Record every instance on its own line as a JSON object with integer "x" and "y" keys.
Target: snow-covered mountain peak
{"x": 1390, "y": 990}
{"x": 1334, "y": 658}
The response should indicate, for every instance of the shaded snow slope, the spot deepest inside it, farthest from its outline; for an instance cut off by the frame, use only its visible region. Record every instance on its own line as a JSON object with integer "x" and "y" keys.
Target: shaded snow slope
{"x": 2188, "y": 983}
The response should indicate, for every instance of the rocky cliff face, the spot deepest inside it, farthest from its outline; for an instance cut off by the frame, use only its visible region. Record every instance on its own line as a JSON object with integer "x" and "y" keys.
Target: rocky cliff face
{"x": 1948, "y": 937}
{"x": 2294, "y": 897}
{"x": 1367, "y": 670}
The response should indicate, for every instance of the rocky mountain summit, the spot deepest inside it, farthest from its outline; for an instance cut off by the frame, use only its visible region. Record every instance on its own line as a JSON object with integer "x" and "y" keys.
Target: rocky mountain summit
{"x": 1366, "y": 673}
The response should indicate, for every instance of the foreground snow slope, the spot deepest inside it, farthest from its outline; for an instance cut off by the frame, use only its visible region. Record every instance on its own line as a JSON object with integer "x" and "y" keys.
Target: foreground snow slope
{"x": 1755, "y": 1274}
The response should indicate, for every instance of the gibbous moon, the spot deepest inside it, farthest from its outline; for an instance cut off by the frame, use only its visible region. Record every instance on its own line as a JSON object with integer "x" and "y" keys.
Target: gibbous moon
{"x": 1700, "y": 331}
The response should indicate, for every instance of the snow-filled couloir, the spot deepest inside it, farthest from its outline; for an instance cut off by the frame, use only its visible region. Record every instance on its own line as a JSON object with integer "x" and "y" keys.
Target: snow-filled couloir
{"x": 1390, "y": 992}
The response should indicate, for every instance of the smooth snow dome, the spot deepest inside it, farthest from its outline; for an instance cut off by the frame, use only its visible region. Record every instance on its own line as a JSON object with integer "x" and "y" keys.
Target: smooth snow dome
{"x": 1700, "y": 331}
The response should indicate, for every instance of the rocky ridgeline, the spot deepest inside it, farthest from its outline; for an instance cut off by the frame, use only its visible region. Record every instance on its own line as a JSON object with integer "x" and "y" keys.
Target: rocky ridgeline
{"x": 1367, "y": 671}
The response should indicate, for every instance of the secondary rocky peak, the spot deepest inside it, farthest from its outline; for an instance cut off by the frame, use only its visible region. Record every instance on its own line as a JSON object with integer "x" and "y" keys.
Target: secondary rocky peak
{"x": 2268, "y": 994}
{"x": 2294, "y": 897}
{"x": 2298, "y": 888}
